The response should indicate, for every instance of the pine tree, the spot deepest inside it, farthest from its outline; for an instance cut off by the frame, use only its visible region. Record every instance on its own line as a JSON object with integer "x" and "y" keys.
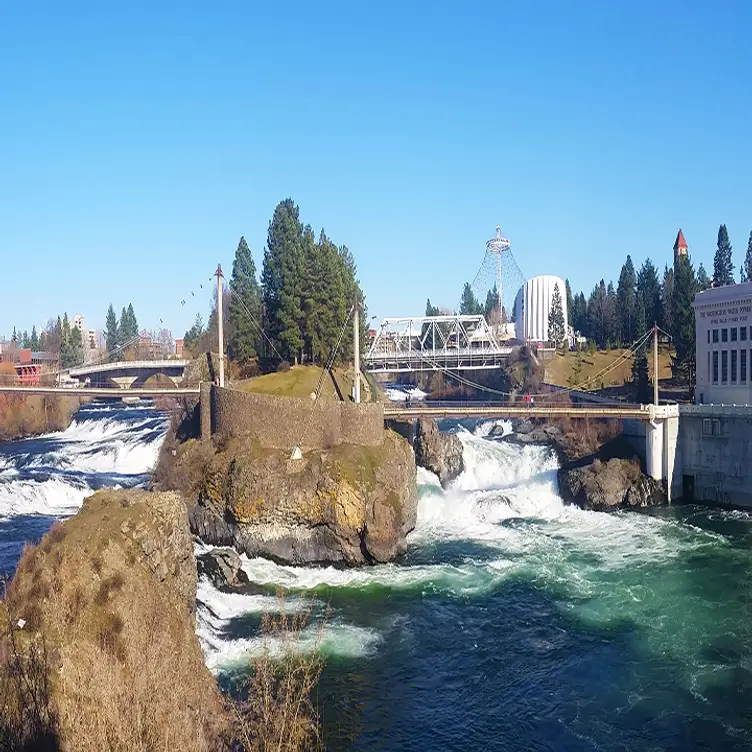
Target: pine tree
{"x": 579, "y": 314}
{"x": 650, "y": 287}
{"x": 34, "y": 340}
{"x": 492, "y": 304}
{"x": 556, "y": 325}
{"x": 570, "y": 303}
{"x": 74, "y": 349}
{"x": 112, "y": 332}
{"x": 244, "y": 314}
{"x": 132, "y": 323}
{"x": 703, "y": 283}
{"x": 469, "y": 305}
{"x": 352, "y": 292}
{"x": 625, "y": 295}
{"x": 683, "y": 331}
{"x": 641, "y": 323}
{"x": 431, "y": 310}
{"x": 14, "y": 338}
{"x": 641, "y": 376}
{"x": 598, "y": 314}
{"x": 747, "y": 269}
{"x": 723, "y": 265}
{"x": 192, "y": 336}
{"x": 281, "y": 279}
{"x": 666, "y": 321}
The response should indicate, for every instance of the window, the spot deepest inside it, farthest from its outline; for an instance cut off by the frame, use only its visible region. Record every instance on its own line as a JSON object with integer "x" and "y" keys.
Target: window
{"x": 715, "y": 367}
{"x": 724, "y": 366}
{"x": 743, "y": 333}
{"x": 707, "y": 427}
{"x": 708, "y": 336}
{"x": 734, "y": 357}
{"x": 716, "y": 427}
{"x": 742, "y": 366}
{"x": 724, "y": 335}
{"x": 733, "y": 334}
{"x": 715, "y": 335}
{"x": 708, "y": 365}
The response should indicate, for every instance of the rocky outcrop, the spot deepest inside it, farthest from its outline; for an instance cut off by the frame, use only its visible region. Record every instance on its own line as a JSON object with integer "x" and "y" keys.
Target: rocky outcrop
{"x": 348, "y": 504}
{"x": 224, "y": 568}
{"x": 526, "y": 432}
{"x": 441, "y": 453}
{"x": 103, "y": 613}
{"x": 613, "y": 484}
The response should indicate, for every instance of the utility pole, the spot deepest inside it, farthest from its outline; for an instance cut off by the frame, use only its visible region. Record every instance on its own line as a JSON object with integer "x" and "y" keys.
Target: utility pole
{"x": 655, "y": 364}
{"x": 220, "y": 314}
{"x": 356, "y": 353}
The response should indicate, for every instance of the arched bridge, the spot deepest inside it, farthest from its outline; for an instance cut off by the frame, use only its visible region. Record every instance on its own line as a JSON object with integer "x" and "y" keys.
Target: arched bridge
{"x": 129, "y": 374}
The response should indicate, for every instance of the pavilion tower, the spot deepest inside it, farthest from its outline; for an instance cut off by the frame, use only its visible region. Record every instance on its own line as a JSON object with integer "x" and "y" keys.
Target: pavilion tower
{"x": 680, "y": 246}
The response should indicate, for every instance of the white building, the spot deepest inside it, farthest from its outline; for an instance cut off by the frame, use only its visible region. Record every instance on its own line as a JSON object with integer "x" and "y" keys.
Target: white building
{"x": 723, "y": 317}
{"x": 533, "y": 305}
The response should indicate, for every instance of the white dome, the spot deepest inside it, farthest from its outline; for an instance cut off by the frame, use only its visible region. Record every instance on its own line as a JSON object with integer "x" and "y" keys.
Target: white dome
{"x": 533, "y": 304}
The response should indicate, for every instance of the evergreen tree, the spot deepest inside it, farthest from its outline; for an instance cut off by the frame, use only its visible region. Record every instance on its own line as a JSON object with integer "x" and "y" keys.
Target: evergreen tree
{"x": 641, "y": 324}
{"x": 74, "y": 349}
{"x": 683, "y": 332}
{"x": 641, "y": 376}
{"x": 723, "y": 265}
{"x": 666, "y": 322}
{"x": 469, "y": 305}
{"x": 747, "y": 269}
{"x": 492, "y": 304}
{"x": 570, "y": 303}
{"x": 14, "y": 337}
{"x": 579, "y": 314}
{"x": 244, "y": 314}
{"x": 556, "y": 325}
{"x": 625, "y": 295}
{"x": 431, "y": 310}
{"x": 112, "y": 332}
{"x": 352, "y": 292}
{"x": 612, "y": 315}
{"x": 650, "y": 287}
{"x": 281, "y": 279}
{"x": 703, "y": 283}
{"x": 598, "y": 314}
{"x": 192, "y": 336}
{"x": 132, "y": 323}
{"x": 34, "y": 340}
{"x": 68, "y": 351}
{"x": 24, "y": 339}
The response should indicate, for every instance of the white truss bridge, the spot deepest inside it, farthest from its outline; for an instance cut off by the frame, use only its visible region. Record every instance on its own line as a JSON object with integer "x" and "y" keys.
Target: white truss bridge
{"x": 428, "y": 343}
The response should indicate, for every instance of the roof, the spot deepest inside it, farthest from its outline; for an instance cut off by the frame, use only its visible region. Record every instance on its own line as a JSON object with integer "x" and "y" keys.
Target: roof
{"x": 680, "y": 242}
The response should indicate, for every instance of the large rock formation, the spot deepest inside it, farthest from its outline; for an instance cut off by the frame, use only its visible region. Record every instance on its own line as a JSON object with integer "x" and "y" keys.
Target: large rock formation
{"x": 102, "y": 616}
{"x": 438, "y": 452}
{"x": 348, "y": 504}
{"x": 613, "y": 484}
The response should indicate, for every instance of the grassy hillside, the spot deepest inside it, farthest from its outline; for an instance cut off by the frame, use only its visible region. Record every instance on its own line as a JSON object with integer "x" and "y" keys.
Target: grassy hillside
{"x": 301, "y": 381}
{"x": 561, "y": 368}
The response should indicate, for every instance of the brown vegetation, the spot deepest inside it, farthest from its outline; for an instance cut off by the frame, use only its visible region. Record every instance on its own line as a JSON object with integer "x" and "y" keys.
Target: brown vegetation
{"x": 29, "y": 415}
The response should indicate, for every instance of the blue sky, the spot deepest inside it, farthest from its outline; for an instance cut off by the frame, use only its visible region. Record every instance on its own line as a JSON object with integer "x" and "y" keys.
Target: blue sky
{"x": 139, "y": 140}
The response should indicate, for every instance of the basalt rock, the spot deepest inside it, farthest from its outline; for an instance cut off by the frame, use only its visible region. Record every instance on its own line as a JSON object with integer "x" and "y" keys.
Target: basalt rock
{"x": 224, "y": 568}
{"x": 438, "y": 452}
{"x": 613, "y": 484}
{"x": 345, "y": 505}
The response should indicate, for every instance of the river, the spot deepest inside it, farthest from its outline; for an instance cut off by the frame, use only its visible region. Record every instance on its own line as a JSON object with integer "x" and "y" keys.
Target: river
{"x": 515, "y": 622}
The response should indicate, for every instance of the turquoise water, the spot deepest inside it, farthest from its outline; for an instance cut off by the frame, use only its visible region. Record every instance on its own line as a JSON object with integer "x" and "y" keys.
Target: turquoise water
{"x": 514, "y": 623}
{"x": 519, "y": 623}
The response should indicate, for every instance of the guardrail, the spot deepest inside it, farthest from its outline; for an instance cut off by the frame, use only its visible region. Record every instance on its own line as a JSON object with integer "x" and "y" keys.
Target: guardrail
{"x": 104, "y": 392}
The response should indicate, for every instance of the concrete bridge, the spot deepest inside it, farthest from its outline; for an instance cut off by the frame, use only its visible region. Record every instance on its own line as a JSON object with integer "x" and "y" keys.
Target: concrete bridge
{"x": 102, "y": 392}
{"x": 129, "y": 374}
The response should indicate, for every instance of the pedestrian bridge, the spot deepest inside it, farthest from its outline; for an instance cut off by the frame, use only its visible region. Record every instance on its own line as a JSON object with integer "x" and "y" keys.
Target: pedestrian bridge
{"x": 128, "y": 374}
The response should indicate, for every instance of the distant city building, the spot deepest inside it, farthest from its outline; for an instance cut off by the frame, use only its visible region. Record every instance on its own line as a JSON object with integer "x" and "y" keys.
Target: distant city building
{"x": 88, "y": 336}
{"x": 533, "y": 305}
{"x": 179, "y": 348}
{"x": 680, "y": 246}
{"x": 723, "y": 331}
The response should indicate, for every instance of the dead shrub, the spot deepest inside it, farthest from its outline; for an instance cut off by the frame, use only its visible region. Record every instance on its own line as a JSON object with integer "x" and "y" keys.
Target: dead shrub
{"x": 278, "y": 712}
{"x": 107, "y": 587}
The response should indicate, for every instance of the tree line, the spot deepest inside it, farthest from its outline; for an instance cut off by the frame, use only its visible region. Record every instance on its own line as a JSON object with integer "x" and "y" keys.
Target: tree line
{"x": 298, "y": 309}
{"x": 615, "y": 316}
{"x": 59, "y": 338}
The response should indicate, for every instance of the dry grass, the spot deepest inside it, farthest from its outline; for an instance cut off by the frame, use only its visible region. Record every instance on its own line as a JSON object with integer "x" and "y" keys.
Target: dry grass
{"x": 28, "y": 415}
{"x": 571, "y": 368}
{"x": 278, "y": 713}
{"x": 301, "y": 381}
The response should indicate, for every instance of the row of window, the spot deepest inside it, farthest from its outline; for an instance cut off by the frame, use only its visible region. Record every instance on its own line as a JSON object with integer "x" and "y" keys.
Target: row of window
{"x": 736, "y": 333}
{"x": 736, "y": 359}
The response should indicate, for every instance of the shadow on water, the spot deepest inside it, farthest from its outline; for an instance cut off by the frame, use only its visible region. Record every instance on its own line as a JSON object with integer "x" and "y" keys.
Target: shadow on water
{"x": 14, "y": 532}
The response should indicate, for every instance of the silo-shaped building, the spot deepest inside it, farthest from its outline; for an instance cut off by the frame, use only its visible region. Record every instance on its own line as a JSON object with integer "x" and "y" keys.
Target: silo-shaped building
{"x": 533, "y": 305}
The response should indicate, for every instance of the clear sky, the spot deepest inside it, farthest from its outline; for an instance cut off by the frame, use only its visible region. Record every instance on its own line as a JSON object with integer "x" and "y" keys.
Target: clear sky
{"x": 140, "y": 139}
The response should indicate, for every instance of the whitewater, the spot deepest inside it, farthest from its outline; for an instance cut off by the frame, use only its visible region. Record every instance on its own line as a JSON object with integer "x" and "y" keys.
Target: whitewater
{"x": 514, "y": 622}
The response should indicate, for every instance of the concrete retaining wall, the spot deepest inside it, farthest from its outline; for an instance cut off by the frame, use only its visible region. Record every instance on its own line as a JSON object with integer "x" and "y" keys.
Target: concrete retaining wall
{"x": 716, "y": 457}
{"x": 279, "y": 422}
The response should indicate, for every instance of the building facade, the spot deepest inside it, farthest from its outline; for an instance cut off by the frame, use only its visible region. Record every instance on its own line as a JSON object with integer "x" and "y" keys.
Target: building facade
{"x": 533, "y": 305}
{"x": 723, "y": 345}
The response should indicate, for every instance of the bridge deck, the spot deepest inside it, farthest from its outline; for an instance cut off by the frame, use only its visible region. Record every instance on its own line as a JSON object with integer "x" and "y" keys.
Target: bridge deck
{"x": 101, "y": 391}
{"x": 428, "y": 410}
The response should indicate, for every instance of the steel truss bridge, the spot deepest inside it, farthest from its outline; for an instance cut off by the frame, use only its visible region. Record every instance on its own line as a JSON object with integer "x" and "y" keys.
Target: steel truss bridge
{"x": 429, "y": 343}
